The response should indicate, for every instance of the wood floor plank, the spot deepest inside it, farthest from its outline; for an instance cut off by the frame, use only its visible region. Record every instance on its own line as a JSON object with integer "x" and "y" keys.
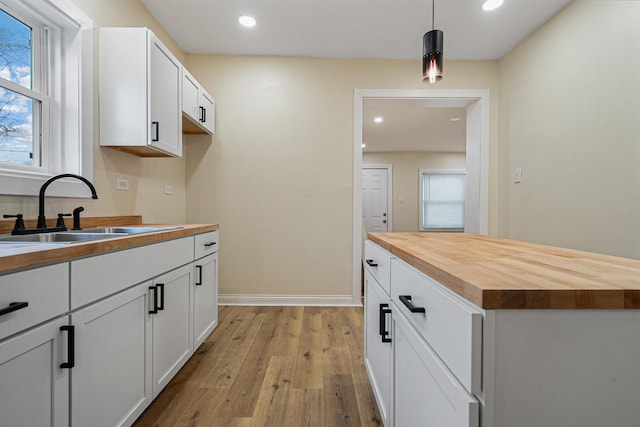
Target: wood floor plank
{"x": 273, "y": 366}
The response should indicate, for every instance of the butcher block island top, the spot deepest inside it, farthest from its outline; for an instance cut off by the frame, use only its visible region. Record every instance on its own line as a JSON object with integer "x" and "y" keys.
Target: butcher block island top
{"x": 495, "y": 273}
{"x": 24, "y": 255}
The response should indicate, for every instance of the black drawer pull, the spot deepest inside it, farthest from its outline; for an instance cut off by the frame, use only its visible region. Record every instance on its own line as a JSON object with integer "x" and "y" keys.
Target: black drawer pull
{"x": 406, "y": 300}
{"x": 198, "y": 275}
{"x": 14, "y": 306}
{"x": 154, "y": 310}
{"x": 371, "y": 263}
{"x": 161, "y": 305}
{"x": 71, "y": 347}
{"x": 155, "y": 125}
{"x": 384, "y": 310}
{"x": 208, "y": 245}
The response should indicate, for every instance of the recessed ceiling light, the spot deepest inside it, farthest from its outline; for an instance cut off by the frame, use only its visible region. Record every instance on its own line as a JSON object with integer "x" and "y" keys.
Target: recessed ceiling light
{"x": 454, "y": 119}
{"x": 378, "y": 119}
{"x": 247, "y": 21}
{"x": 364, "y": 145}
{"x": 492, "y": 4}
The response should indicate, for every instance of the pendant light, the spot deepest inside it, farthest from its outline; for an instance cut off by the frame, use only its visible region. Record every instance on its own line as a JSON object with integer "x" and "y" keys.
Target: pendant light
{"x": 432, "y": 59}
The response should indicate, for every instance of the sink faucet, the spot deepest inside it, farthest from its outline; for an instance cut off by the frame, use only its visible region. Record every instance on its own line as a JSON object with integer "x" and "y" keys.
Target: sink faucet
{"x": 42, "y": 223}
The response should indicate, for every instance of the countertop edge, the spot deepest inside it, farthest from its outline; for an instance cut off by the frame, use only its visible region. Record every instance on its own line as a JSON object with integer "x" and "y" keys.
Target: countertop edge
{"x": 518, "y": 299}
{"x": 37, "y": 257}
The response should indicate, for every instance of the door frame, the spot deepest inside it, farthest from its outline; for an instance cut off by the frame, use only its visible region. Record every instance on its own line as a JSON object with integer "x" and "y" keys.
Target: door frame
{"x": 476, "y": 102}
{"x": 389, "y": 169}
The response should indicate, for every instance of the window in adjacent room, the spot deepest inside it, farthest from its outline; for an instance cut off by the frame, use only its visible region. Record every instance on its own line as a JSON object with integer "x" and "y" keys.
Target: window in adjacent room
{"x": 46, "y": 84}
{"x": 442, "y": 194}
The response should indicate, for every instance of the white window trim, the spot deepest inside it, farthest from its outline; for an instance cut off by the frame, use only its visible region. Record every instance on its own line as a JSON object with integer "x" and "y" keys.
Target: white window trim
{"x": 422, "y": 172}
{"x": 75, "y": 129}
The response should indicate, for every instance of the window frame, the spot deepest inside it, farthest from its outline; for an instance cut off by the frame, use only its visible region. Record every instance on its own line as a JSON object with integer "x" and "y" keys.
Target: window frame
{"x": 421, "y": 200}
{"x": 67, "y": 117}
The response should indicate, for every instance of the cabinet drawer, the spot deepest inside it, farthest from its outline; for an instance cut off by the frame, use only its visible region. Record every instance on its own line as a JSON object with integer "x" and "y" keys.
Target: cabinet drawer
{"x": 377, "y": 262}
{"x": 46, "y": 290}
{"x": 206, "y": 244}
{"x": 449, "y": 324}
{"x": 99, "y": 276}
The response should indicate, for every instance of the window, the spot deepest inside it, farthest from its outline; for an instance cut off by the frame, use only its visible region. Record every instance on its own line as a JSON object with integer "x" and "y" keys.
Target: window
{"x": 442, "y": 194}
{"x": 46, "y": 85}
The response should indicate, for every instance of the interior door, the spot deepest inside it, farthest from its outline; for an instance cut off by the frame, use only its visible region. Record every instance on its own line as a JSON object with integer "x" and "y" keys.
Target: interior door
{"x": 375, "y": 199}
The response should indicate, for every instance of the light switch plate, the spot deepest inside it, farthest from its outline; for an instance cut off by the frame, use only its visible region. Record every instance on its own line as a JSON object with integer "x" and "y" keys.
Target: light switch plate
{"x": 517, "y": 176}
{"x": 168, "y": 189}
{"x": 122, "y": 184}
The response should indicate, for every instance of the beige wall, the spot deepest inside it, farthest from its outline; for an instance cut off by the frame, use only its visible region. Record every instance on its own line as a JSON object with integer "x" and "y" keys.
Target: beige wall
{"x": 406, "y": 181}
{"x": 570, "y": 118}
{"x": 278, "y": 176}
{"x": 146, "y": 176}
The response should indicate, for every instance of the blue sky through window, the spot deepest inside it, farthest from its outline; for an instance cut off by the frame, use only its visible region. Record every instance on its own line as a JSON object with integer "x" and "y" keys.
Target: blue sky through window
{"x": 16, "y": 109}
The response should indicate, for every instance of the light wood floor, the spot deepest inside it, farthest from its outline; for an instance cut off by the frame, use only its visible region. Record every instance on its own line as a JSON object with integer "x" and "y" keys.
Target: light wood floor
{"x": 273, "y": 366}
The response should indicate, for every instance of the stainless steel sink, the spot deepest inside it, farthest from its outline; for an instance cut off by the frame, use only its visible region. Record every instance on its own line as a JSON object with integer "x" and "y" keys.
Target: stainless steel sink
{"x": 62, "y": 238}
{"x": 124, "y": 230}
{"x": 84, "y": 235}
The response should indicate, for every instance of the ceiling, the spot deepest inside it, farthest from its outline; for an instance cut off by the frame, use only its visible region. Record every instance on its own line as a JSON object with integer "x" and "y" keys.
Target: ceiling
{"x": 412, "y": 125}
{"x": 385, "y": 29}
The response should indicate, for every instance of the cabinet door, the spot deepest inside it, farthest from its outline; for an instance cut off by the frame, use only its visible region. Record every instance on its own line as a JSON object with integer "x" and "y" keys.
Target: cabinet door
{"x": 205, "y": 305}
{"x": 377, "y": 344}
{"x": 207, "y": 111}
{"x": 166, "y": 100}
{"x": 172, "y": 335}
{"x": 111, "y": 382}
{"x": 34, "y": 390}
{"x": 426, "y": 393}
{"x": 190, "y": 95}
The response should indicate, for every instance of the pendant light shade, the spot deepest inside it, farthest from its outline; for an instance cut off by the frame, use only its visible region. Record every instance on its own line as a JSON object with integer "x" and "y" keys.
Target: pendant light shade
{"x": 432, "y": 59}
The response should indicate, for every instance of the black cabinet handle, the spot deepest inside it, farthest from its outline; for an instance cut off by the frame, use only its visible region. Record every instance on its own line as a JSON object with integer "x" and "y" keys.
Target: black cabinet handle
{"x": 154, "y": 310}
{"x": 384, "y": 310}
{"x": 161, "y": 287}
{"x": 71, "y": 347}
{"x": 371, "y": 263}
{"x": 199, "y": 275}
{"x": 203, "y": 114}
{"x": 157, "y": 131}
{"x": 208, "y": 245}
{"x": 13, "y": 306}
{"x": 406, "y": 300}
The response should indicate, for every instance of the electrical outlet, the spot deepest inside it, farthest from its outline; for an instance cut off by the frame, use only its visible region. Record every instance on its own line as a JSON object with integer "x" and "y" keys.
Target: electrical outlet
{"x": 122, "y": 184}
{"x": 168, "y": 189}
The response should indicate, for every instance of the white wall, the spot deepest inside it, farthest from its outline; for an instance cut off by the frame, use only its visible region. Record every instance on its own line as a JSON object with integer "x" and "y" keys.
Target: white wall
{"x": 279, "y": 174}
{"x": 570, "y": 118}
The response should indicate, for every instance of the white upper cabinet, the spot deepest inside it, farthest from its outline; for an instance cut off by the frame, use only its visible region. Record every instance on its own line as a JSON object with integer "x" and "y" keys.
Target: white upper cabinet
{"x": 140, "y": 94}
{"x": 198, "y": 107}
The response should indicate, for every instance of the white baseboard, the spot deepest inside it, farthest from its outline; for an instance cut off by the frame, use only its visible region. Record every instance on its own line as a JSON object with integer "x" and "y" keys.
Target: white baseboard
{"x": 298, "y": 300}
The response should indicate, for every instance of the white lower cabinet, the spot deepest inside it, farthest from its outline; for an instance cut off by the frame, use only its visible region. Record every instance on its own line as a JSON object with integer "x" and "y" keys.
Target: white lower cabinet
{"x": 426, "y": 393}
{"x": 205, "y": 299}
{"x": 111, "y": 382}
{"x": 171, "y": 324}
{"x": 34, "y": 389}
{"x": 377, "y": 344}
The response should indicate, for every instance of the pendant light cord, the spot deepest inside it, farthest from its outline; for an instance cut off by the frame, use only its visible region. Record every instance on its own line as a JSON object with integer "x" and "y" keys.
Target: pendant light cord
{"x": 433, "y": 14}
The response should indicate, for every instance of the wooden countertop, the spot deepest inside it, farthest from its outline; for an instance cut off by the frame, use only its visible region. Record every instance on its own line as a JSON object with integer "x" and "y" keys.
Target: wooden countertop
{"x": 21, "y": 256}
{"x": 495, "y": 273}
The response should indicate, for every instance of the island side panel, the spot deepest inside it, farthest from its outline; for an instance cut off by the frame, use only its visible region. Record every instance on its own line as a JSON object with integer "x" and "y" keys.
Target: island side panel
{"x": 561, "y": 368}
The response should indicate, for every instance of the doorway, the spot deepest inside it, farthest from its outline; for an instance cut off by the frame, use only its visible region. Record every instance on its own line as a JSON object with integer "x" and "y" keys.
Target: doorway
{"x": 476, "y": 104}
{"x": 377, "y": 193}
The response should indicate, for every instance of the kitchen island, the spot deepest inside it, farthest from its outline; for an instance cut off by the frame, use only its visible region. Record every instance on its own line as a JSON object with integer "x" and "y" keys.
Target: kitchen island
{"x": 497, "y": 333}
